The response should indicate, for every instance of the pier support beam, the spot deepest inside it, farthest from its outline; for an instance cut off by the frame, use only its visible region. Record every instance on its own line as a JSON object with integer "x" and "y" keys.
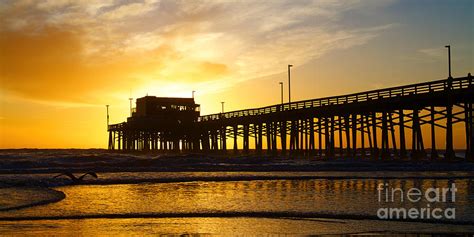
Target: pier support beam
{"x": 375, "y": 152}
{"x": 339, "y": 128}
{"x": 269, "y": 130}
{"x": 326, "y": 137}
{"x": 392, "y": 132}
{"x": 401, "y": 124}
{"x": 255, "y": 133}
{"x": 293, "y": 136}
{"x": 111, "y": 141}
{"x": 246, "y": 138}
{"x": 385, "y": 146}
{"x": 434, "y": 152}
{"x": 469, "y": 124}
{"x": 320, "y": 138}
{"x": 283, "y": 136}
{"x": 354, "y": 135}
{"x": 311, "y": 136}
{"x": 215, "y": 144}
{"x": 236, "y": 132}
{"x": 449, "y": 133}
{"x": 418, "y": 150}
{"x": 274, "y": 137}
{"x": 223, "y": 134}
{"x": 331, "y": 138}
{"x": 348, "y": 135}
{"x": 362, "y": 136}
{"x": 204, "y": 141}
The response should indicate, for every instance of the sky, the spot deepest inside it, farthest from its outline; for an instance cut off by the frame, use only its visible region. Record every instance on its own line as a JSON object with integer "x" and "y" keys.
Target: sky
{"x": 62, "y": 61}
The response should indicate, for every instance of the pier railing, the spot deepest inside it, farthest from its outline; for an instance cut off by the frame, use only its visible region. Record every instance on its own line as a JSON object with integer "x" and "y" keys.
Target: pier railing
{"x": 413, "y": 89}
{"x": 117, "y": 126}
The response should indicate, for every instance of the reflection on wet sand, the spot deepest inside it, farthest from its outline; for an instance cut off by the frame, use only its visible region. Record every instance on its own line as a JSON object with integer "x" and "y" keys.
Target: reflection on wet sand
{"x": 321, "y": 196}
{"x": 293, "y": 204}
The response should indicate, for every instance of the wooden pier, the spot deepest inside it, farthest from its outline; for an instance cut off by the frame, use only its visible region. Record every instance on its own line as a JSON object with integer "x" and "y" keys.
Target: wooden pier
{"x": 373, "y": 124}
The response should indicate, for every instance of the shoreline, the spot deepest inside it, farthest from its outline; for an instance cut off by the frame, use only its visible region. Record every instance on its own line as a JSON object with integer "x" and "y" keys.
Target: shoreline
{"x": 32, "y": 161}
{"x": 115, "y": 178}
{"x": 273, "y": 215}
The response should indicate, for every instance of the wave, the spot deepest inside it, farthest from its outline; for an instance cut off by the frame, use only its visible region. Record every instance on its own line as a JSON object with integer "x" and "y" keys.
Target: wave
{"x": 275, "y": 215}
{"x": 250, "y": 178}
{"x": 19, "y": 198}
{"x": 48, "y": 161}
{"x": 212, "y": 177}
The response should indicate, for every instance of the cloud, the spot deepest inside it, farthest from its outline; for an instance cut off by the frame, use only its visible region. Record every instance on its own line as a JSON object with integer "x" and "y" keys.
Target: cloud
{"x": 130, "y": 10}
{"x": 426, "y": 55}
{"x": 52, "y": 66}
{"x": 433, "y": 54}
{"x": 77, "y": 51}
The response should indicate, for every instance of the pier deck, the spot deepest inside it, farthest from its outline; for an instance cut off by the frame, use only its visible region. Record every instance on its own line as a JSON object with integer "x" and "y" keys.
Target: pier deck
{"x": 373, "y": 123}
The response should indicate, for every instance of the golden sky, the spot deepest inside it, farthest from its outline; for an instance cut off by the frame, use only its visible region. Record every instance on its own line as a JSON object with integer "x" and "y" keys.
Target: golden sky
{"x": 61, "y": 61}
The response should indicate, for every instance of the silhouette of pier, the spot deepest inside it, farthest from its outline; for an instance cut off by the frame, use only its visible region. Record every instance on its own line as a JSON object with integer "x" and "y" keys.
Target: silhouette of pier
{"x": 373, "y": 124}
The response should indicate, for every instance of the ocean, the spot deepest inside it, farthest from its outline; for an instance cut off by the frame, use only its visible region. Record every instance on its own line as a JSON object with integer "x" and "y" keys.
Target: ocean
{"x": 206, "y": 195}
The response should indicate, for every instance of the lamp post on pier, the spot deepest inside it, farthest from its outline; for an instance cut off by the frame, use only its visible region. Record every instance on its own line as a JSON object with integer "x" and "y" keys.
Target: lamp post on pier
{"x": 107, "y": 106}
{"x": 131, "y": 99}
{"x": 222, "y": 106}
{"x": 281, "y": 89}
{"x": 449, "y": 59}
{"x": 289, "y": 83}
{"x": 449, "y": 113}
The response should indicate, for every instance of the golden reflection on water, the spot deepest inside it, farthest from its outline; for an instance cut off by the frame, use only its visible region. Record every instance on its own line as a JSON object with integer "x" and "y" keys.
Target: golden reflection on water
{"x": 347, "y": 196}
{"x": 340, "y": 196}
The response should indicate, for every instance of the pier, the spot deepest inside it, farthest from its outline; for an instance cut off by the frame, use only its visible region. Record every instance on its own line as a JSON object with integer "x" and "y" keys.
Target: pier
{"x": 373, "y": 124}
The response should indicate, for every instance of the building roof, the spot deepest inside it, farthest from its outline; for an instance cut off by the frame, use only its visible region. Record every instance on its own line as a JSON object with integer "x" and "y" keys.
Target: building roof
{"x": 167, "y": 100}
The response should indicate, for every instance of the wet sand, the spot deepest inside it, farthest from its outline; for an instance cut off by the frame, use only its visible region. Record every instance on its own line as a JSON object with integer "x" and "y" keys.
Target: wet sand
{"x": 13, "y": 198}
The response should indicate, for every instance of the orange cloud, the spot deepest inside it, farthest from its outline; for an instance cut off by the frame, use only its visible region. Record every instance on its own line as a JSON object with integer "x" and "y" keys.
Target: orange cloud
{"x": 51, "y": 65}
{"x": 78, "y": 51}
{"x": 34, "y": 63}
{"x": 214, "y": 68}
